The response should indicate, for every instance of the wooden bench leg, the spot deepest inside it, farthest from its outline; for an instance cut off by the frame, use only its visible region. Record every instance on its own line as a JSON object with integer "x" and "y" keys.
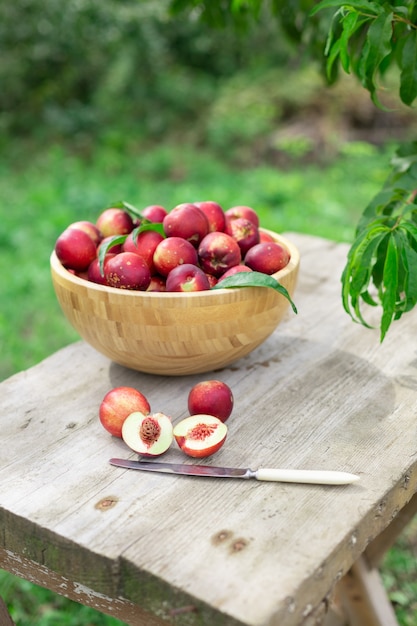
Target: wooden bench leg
{"x": 362, "y": 599}
{"x": 5, "y": 619}
{"x": 377, "y": 549}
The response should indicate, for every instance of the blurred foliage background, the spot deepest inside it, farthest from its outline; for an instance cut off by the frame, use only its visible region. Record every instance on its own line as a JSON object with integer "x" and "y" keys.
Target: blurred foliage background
{"x": 128, "y": 73}
{"x": 104, "y": 100}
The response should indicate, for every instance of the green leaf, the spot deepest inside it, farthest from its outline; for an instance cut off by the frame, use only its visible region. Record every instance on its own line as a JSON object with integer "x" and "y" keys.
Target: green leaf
{"x": 360, "y": 5}
{"x": 368, "y": 299}
{"x": 403, "y": 272}
{"x": 147, "y": 225}
{"x": 120, "y": 239}
{"x": 361, "y": 271}
{"x": 405, "y": 156}
{"x": 409, "y": 257}
{"x": 325, "y": 4}
{"x": 105, "y": 247}
{"x": 408, "y": 84}
{"x": 378, "y": 268}
{"x": 357, "y": 273}
{"x": 411, "y": 230}
{"x": 390, "y": 285}
{"x": 350, "y": 25}
{"x": 334, "y": 53}
{"x": 378, "y": 45}
{"x": 122, "y": 204}
{"x": 350, "y": 20}
{"x": 254, "y": 279}
{"x": 396, "y": 197}
{"x": 379, "y": 207}
{"x": 404, "y": 11}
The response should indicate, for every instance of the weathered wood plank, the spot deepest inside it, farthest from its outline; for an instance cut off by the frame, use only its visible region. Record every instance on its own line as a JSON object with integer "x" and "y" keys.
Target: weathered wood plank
{"x": 30, "y": 570}
{"x": 364, "y": 598}
{"x": 5, "y": 619}
{"x": 320, "y": 393}
{"x": 377, "y": 549}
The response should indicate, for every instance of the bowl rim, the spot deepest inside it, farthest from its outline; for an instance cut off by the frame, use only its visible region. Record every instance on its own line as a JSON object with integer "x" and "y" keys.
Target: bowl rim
{"x": 292, "y": 265}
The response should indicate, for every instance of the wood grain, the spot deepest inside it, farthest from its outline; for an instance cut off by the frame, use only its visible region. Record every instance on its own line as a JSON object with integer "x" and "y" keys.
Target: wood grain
{"x": 320, "y": 393}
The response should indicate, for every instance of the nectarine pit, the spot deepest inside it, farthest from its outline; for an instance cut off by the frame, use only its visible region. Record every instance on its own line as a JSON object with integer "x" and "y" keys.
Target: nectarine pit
{"x": 149, "y": 431}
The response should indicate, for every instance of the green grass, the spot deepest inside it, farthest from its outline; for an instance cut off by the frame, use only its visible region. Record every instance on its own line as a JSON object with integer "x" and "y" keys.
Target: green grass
{"x": 31, "y": 605}
{"x": 399, "y": 574}
{"x": 45, "y": 189}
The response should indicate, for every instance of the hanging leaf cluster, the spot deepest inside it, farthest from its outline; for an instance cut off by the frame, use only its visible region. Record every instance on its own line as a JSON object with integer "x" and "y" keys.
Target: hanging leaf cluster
{"x": 364, "y": 38}
{"x": 367, "y": 37}
{"x": 381, "y": 268}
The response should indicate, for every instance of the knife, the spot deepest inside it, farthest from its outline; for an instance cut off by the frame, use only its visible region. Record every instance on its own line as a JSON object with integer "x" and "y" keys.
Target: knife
{"x": 318, "y": 477}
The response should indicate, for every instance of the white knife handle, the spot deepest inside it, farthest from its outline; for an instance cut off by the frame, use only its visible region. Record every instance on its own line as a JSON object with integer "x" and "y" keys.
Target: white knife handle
{"x": 318, "y": 477}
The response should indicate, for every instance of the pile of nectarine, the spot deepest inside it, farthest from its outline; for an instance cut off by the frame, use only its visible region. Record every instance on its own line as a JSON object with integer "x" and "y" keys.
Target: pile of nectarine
{"x": 126, "y": 413}
{"x": 190, "y": 248}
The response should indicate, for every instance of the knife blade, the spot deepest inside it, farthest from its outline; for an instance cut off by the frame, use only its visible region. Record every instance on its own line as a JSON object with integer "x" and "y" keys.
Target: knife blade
{"x": 318, "y": 477}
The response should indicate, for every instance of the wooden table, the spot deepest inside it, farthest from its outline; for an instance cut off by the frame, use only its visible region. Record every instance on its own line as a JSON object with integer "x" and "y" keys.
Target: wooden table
{"x": 154, "y": 549}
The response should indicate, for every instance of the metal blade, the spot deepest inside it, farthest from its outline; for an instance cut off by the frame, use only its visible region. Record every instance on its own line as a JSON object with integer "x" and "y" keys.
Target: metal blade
{"x": 183, "y": 468}
{"x": 315, "y": 477}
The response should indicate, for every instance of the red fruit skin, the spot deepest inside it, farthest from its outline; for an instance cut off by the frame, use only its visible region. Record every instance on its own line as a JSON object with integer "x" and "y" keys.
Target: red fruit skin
{"x": 218, "y": 252}
{"x": 265, "y": 237}
{"x": 89, "y": 228}
{"x": 75, "y": 249}
{"x": 114, "y": 222}
{"x": 129, "y": 244}
{"x": 211, "y": 397}
{"x": 215, "y": 215}
{"x": 158, "y": 283}
{"x": 187, "y": 278}
{"x": 127, "y": 270}
{"x": 144, "y": 244}
{"x": 117, "y": 404}
{"x": 186, "y": 221}
{"x": 155, "y": 213}
{"x": 83, "y": 275}
{"x": 94, "y": 274}
{"x": 267, "y": 257}
{"x": 244, "y": 232}
{"x": 236, "y": 269}
{"x": 171, "y": 252}
{"x": 243, "y": 211}
{"x": 212, "y": 280}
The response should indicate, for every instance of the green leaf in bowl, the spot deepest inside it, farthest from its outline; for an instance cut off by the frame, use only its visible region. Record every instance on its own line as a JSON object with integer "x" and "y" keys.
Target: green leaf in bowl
{"x": 254, "y": 279}
{"x": 115, "y": 240}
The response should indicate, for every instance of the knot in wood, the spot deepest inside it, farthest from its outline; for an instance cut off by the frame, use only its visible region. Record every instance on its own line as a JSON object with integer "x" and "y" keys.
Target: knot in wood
{"x": 106, "y": 503}
{"x": 221, "y": 536}
{"x": 239, "y": 545}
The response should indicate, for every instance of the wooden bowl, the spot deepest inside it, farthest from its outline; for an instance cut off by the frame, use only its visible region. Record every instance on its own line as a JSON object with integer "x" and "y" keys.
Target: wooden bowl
{"x": 174, "y": 334}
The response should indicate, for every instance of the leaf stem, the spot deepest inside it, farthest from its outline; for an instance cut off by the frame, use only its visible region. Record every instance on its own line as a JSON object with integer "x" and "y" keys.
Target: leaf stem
{"x": 396, "y": 17}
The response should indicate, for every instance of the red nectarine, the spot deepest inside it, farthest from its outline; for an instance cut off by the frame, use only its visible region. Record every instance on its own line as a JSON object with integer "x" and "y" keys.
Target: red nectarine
{"x": 117, "y": 404}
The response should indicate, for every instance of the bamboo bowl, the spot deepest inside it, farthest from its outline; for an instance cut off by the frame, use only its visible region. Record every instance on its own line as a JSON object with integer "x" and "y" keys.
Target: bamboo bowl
{"x": 174, "y": 334}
